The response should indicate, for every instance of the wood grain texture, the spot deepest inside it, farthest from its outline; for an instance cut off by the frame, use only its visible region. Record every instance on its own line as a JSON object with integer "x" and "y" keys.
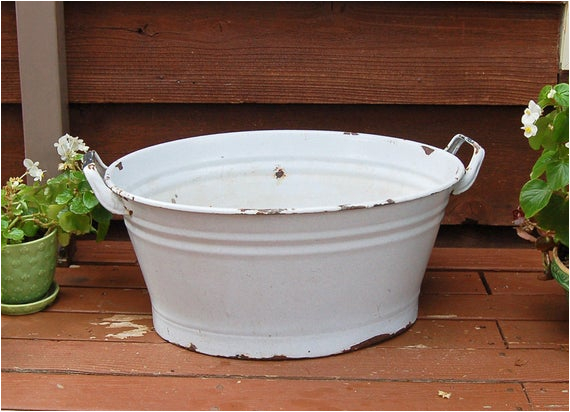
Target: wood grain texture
{"x": 310, "y": 52}
{"x": 75, "y": 326}
{"x": 486, "y": 350}
{"x": 116, "y": 130}
{"x": 548, "y": 396}
{"x": 521, "y": 283}
{"x": 9, "y": 55}
{"x": 534, "y": 307}
{"x": 421, "y": 71}
{"x": 376, "y": 363}
{"x": 68, "y": 392}
{"x": 535, "y": 334}
{"x": 13, "y": 152}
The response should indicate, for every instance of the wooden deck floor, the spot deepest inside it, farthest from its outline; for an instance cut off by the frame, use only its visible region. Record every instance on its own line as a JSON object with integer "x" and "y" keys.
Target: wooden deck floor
{"x": 489, "y": 336}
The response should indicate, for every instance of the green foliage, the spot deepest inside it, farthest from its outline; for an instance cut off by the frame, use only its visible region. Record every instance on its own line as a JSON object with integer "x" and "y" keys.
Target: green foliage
{"x": 544, "y": 198}
{"x": 64, "y": 203}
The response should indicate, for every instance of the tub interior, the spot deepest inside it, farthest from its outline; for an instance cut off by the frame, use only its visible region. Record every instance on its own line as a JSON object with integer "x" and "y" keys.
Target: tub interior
{"x": 284, "y": 170}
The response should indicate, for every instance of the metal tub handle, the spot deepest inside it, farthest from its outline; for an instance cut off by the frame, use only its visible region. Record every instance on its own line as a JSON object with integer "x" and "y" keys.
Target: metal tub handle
{"x": 94, "y": 169}
{"x": 474, "y": 165}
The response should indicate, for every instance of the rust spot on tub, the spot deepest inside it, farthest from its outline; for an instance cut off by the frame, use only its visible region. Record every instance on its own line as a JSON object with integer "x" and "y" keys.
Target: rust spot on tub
{"x": 279, "y": 173}
{"x": 377, "y": 339}
{"x": 243, "y": 356}
{"x": 269, "y": 211}
{"x": 193, "y": 348}
{"x": 427, "y": 150}
{"x": 262, "y": 211}
{"x": 120, "y": 166}
{"x": 352, "y": 207}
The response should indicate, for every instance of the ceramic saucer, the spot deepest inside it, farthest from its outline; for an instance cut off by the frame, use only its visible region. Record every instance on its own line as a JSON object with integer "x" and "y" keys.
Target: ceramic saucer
{"x": 32, "y": 307}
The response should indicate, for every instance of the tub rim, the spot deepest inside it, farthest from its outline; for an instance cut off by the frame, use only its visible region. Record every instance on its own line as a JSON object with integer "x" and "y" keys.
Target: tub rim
{"x": 450, "y": 150}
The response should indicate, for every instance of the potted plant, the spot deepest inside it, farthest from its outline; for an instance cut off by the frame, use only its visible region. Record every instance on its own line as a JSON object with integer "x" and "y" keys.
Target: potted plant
{"x": 39, "y": 216}
{"x": 542, "y": 216}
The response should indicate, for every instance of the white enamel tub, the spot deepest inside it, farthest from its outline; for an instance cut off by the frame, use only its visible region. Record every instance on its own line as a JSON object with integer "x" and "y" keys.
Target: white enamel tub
{"x": 283, "y": 243}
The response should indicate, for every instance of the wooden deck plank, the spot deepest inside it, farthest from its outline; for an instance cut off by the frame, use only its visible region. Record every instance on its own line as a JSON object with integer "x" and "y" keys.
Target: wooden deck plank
{"x": 138, "y": 328}
{"x": 521, "y": 283}
{"x": 108, "y": 251}
{"x": 521, "y": 307}
{"x": 102, "y": 300}
{"x": 489, "y": 345}
{"x": 548, "y": 396}
{"x": 535, "y": 334}
{"x": 130, "y": 276}
{"x": 454, "y": 282}
{"x": 76, "y": 392}
{"x": 442, "y": 258}
{"x": 81, "y": 327}
{"x": 523, "y": 260}
{"x": 109, "y": 276}
{"x": 445, "y": 306}
{"x": 374, "y": 363}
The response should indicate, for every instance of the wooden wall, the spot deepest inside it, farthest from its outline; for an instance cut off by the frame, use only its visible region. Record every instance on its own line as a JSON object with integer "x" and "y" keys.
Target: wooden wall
{"x": 144, "y": 73}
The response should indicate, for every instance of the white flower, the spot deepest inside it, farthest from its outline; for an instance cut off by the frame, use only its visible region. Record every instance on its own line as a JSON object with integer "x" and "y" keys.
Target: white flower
{"x": 33, "y": 169}
{"x": 68, "y": 146}
{"x": 531, "y": 113}
{"x": 529, "y": 130}
{"x": 551, "y": 94}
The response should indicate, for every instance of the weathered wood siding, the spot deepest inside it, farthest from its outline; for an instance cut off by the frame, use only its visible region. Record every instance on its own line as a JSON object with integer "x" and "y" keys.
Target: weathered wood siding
{"x": 144, "y": 73}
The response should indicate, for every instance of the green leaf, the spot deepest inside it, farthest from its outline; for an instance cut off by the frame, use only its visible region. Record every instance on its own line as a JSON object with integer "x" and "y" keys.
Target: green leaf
{"x": 56, "y": 180}
{"x": 77, "y": 206}
{"x": 561, "y": 96}
{"x": 84, "y": 186}
{"x": 102, "y": 229}
{"x": 534, "y": 196}
{"x": 560, "y": 124}
{"x": 100, "y": 214}
{"x": 542, "y": 95}
{"x": 53, "y": 210}
{"x": 540, "y": 166}
{"x": 557, "y": 174}
{"x": 15, "y": 234}
{"x": 63, "y": 238}
{"x": 73, "y": 223}
{"x": 555, "y": 217}
{"x": 64, "y": 197}
{"x": 30, "y": 228}
{"x": 103, "y": 218}
{"x": 543, "y": 135}
{"x": 90, "y": 200}
{"x": 546, "y": 134}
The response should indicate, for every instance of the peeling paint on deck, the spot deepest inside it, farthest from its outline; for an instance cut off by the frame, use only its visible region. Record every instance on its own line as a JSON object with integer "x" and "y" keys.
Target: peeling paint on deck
{"x": 125, "y": 322}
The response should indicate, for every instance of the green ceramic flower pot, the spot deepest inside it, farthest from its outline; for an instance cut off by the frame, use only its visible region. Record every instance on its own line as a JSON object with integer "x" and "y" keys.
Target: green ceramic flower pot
{"x": 559, "y": 271}
{"x": 28, "y": 270}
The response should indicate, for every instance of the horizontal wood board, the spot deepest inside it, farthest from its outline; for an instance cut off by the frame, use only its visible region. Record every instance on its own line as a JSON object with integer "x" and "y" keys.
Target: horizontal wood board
{"x": 116, "y": 130}
{"x": 68, "y": 392}
{"x": 10, "y": 67}
{"x": 303, "y": 52}
{"x": 489, "y": 336}
{"x": 105, "y": 41}
{"x": 12, "y": 142}
{"x": 498, "y": 351}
